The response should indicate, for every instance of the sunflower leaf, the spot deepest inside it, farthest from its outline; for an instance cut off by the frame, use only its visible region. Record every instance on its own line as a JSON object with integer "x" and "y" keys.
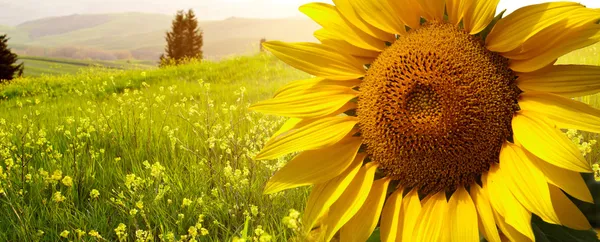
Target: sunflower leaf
{"x": 375, "y": 237}
{"x": 555, "y": 233}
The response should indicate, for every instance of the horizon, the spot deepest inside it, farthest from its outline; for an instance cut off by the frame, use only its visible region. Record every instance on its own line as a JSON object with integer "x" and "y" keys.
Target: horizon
{"x": 207, "y": 10}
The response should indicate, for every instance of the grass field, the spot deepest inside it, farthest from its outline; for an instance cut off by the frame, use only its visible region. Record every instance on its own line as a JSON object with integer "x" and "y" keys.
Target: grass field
{"x": 36, "y": 66}
{"x": 134, "y": 155}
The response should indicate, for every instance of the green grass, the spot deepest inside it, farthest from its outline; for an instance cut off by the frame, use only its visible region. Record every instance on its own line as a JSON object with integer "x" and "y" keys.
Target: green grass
{"x": 169, "y": 151}
{"x": 146, "y": 140}
{"x": 37, "y": 66}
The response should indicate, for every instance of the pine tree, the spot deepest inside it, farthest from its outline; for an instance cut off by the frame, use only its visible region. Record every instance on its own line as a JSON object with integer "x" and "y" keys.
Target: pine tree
{"x": 184, "y": 41}
{"x": 8, "y": 67}
{"x": 175, "y": 49}
{"x": 194, "y": 39}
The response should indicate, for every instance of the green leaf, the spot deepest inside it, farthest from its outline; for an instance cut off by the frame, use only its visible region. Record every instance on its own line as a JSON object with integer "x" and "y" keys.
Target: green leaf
{"x": 545, "y": 232}
{"x": 375, "y": 236}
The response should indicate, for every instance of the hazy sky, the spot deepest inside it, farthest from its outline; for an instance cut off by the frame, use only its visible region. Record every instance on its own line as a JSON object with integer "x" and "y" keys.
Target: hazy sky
{"x": 16, "y": 11}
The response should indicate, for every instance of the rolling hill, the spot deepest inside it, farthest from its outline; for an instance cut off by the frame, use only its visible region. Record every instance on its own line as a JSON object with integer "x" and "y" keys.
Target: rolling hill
{"x": 144, "y": 32}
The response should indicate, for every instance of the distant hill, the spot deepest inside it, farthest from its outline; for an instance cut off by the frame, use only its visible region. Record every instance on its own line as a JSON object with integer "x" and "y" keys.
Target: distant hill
{"x": 144, "y": 32}
{"x": 35, "y": 66}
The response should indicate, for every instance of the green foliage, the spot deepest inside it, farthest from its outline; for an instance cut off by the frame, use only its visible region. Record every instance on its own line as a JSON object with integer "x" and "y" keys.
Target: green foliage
{"x": 184, "y": 41}
{"x": 9, "y": 68}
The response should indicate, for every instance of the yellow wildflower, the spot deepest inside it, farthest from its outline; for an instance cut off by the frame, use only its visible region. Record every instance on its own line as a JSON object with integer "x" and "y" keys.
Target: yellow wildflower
{"x": 67, "y": 181}
{"x": 64, "y": 234}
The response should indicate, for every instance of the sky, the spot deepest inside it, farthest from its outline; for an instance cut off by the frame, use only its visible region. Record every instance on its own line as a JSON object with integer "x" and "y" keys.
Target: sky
{"x": 13, "y": 12}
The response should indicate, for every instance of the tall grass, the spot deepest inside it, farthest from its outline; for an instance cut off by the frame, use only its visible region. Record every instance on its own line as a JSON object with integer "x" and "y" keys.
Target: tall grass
{"x": 132, "y": 155}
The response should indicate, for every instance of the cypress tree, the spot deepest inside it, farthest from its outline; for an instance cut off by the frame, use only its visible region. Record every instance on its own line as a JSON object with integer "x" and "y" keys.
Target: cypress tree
{"x": 8, "y": 67}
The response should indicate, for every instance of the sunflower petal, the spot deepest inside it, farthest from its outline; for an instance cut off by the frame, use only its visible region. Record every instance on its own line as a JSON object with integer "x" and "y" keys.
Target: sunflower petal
{"x": 318, "y": 134}
{"x": 479, "y": 14}
{"x": 390, "y": 216}
{"x": 547, "y": 142}
{"x": 564, "y": 80}
{"x": 568, "y": 213}
{"x": 329, "y": 39}
{"x": 513, "y": 30}
{"x": 379, "y": 14}
{"x": 315, "y": 166}
{"x": 569, "y": 181}
{"x": 350, "y": 201}
{"x": 409, "y": 213}
{"x": 430, "y": 223}
{"x": 290, "y": 124}
{"x": 509, "y": 231}
{"x": 433, "y": 9}
{"x": 462, "y": 217}
{"x": 456, "y": 9}
{"x": 307, "y": 85}
{"x": 545, "y": 52}
{"x": 319, "y": 102}
{"x": 330, "y": 19}
{"x": 487, "y": 224}
{"x": 503, "y": 202}
{"x": 409, "y": 11}
{"x": 325, "y": 194}
{"x": 526, "y": 182}
{"x": 317, "y": 59}
{"x": 360, "y": 227}
{"x": 564, "y": 112}
{"x": 346, "y": 10}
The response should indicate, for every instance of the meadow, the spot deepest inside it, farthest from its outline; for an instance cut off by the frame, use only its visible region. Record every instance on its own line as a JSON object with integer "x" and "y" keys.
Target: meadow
{"x": 36, "y": 66}
{"x": 157, "y": 155}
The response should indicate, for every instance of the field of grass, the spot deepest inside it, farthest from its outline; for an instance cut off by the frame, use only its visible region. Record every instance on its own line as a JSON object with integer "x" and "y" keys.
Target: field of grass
{"x": 36, "y": 66}
{"x": 163, "y": 155}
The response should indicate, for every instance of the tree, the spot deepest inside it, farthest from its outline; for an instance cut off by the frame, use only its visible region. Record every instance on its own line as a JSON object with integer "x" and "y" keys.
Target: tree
{"x": 8, "y": 67}
{"x": 184, "y": 41}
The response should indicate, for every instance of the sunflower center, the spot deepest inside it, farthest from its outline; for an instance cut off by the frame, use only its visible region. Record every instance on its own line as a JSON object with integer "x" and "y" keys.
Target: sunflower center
{"x": 435, "y": 108}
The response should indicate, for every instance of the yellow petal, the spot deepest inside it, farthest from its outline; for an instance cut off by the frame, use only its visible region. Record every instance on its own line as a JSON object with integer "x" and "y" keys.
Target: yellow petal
{"x": 462, "y": 217}
{"x": 564, "y": 80}
{"x": 487, "y": 224}
{"x": 330, "y": 19}
{"x": 308, "y": 85}
{"x": 290, "y": 124}
{"x": 409, "y": 213}
{"x": 513, "y": 30}
{"x": 433, "y": 9}
{"x": 564, "y": 112}
{"x": 456, "y": 9}
{"x": 350, "y": 201}
{"x": 318, "y": 134}
{"x": 329, "y": 39}
{"x": 325, "y": 194}
{"x": 379, "y": 14}
{"x": 390, "y": 217}
{"x": 430, "y": 223}
{"x": 362, "y": 224}
{"x": 565, "y": 41}
{"x": 569, "y": 181}
{"x": 315, "y": 166}
{"x": 409, "y": 11}
{"x": 568, "y": 213}
{"x": 547, "y": 142}
{"x": 479, "y": 15}
{"x": 319, "y": 102}
{"x": 526, "y": 182}
{"x": 503, "y": 202}
{"x": 346, "y": 9}
{"x": 509, "y": 231}
{"x": 317, "y": 59}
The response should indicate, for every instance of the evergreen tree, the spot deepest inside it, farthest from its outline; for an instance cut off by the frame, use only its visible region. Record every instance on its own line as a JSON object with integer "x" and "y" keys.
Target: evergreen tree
{"x": 8, "y": 67}
{"x": 260, "y": 44}
{"x": 184, "y": 41}
{"x": 193, "y": 36}
{"x": 175, "y": 49}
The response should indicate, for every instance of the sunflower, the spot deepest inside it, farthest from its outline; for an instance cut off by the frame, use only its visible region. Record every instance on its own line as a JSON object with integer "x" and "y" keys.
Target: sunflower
{"x": 435, "y": 119}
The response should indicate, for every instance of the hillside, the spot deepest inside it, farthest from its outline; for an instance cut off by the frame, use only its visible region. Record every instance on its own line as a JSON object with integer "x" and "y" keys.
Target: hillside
{"x": 143, "y": 33}
{"x": 36, "y": 66}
